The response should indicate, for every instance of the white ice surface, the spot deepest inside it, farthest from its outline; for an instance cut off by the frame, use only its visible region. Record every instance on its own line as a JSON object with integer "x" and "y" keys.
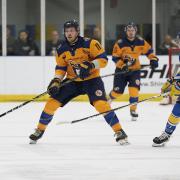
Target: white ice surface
{"x": 86, "y": 150}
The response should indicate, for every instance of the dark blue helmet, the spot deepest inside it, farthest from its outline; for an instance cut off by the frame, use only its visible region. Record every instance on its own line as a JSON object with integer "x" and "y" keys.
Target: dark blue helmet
{"x": 130, "y": 25}
{"x": 71, "y": 23}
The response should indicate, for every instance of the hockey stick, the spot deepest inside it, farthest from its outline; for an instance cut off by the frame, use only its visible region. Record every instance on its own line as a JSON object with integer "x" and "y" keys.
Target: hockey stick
{"x": 115, "y": 109}
{"x": 66, "y": 82}
{"x": 36, "y": 97}
{"x": 124, "y": 72}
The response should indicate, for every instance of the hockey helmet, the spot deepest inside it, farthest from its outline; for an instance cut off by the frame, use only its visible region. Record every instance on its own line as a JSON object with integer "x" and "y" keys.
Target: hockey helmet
{"x": 130, "y": 25}
{"x": 71, "y": 23}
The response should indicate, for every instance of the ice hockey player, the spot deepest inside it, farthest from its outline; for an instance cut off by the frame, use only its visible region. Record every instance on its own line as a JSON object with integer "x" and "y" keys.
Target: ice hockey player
{"x": 83, "y": 57}
{"x": 173, "y": 86}
{"x": 125, "y": 55}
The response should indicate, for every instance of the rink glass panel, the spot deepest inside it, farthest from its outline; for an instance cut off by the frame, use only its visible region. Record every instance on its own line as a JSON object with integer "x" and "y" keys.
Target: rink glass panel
{"x": 168, "y": 20}
{"x": 24, "y": 15}
{"x": 58, "y": 12}
{"x": 92, "y": 19}
{"x": 119, "y": 13}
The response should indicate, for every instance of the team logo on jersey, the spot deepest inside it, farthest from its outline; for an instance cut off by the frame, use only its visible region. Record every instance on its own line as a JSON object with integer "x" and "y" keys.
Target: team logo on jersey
{"x": 99, "y": 93}
{"x": 137, "y": 82}
{"x": 74, "y": 64}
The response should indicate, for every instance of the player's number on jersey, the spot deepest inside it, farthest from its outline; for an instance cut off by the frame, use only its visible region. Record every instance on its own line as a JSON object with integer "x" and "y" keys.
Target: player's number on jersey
{"x": 98, "y": 46}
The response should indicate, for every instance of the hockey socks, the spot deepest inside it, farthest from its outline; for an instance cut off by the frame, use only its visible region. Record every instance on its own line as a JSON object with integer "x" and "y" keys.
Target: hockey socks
{"x": 173, "y": 120}
{"x": 113, "y": 121}
{"x": 45, "y": 119}
{"x": 111, "y": 118}
{"x": 170, "y": 128}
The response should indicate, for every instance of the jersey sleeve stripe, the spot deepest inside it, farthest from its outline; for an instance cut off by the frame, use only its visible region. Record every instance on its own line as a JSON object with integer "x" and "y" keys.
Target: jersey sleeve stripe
{"x": 64, "y": 68}
{"x": 103, "y": 55}
{"x": 150, "y": 51}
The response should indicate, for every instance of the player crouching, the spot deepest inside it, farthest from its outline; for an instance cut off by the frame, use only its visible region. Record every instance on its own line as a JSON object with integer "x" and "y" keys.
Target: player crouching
{"x": 82, "y": 57}
{"x": 173, "y": 86}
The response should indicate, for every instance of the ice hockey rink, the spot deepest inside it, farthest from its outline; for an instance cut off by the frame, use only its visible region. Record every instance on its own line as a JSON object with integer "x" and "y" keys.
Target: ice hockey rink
{"x": 86, "y": 150}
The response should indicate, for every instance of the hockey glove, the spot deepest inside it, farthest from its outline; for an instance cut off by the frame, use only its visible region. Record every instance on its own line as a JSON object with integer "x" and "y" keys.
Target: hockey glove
{"x": 154, "y": 63}
{"x": 85, "y": 69}
{"x": 175, "y": 89}
{"x": 167, "y": 86}
{"x": 54, "y": 86}
{"x": 128, "y": 62}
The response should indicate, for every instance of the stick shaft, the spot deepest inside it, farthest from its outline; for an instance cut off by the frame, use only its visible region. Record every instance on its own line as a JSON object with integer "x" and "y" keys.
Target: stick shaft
{"x": 123, "y": 72}
{"x": 66, "y": 82}
{"x": 33, "y": 99}
{"x": 115, "y": 109}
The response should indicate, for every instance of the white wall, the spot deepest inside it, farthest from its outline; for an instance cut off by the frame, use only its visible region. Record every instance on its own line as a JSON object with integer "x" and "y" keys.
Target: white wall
{"x": 31, "y": 75}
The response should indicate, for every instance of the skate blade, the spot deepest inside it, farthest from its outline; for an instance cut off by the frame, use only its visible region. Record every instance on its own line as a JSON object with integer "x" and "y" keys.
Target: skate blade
{"x": 123, "y": 142}
{"x": 158, "y": 145}
{"x": 32, "y": 142}
{"x": 163, "y": 104}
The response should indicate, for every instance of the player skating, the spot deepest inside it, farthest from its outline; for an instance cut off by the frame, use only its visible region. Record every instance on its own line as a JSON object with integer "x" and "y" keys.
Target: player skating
{"x": 125, "y": 55}
{"x": 83, "y": 57}
{"x": 173, "y": 86}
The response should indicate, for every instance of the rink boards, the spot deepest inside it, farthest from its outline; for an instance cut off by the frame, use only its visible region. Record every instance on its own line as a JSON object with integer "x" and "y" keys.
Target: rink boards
{"x": 22, "y": 78}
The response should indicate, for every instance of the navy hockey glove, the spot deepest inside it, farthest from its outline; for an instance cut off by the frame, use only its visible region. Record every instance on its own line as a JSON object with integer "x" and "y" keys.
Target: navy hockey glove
{"x": 54, "y": 86}
{"x": 84, "y": 69}
{"x": 154, "y": 63}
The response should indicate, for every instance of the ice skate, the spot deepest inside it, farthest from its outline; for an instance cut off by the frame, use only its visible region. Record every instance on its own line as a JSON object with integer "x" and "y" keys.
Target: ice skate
{"x": 35, "y": 136}
{"x": 161, "y": 140}
{"x": 165, "y": 101}
{"x": 121, "y": 137}
{"x": 134, "y": 115}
